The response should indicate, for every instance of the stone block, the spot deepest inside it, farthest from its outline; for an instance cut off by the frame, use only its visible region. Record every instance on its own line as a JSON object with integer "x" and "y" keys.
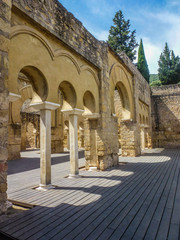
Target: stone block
{"x": 3, "y": 187}
{"x": 4, "y": 43}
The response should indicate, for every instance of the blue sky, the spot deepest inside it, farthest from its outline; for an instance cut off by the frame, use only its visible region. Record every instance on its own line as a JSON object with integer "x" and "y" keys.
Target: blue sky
{"x": 155, "y": 21}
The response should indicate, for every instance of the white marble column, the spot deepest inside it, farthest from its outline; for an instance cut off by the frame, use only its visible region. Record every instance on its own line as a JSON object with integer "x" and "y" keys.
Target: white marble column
{"x": 45, "y": 141}
{"x": 73, "y": 138}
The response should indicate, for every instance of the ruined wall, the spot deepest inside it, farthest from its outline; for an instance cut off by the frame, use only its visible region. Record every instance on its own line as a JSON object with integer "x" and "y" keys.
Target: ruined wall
{"x": 166, "y": 116}
{"x": 57, "y": 131}
{"x": 31, "y": 123}
{"x": 64, "y": 32}
{"x": 5, "y": 15}
{"x": 142, "y": 93}
{"x": 54, "y": 18}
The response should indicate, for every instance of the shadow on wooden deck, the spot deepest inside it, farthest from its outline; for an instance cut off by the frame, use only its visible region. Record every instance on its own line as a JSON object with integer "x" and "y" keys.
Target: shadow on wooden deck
{"x": 140, "y": 200}
{"x": 31, "y": 163}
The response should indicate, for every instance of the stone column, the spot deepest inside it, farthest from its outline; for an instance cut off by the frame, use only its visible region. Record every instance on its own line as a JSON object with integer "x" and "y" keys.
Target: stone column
{"x": 90, "y": 140}
{"x": 73, "y": 137}
{"x": 45, "y": 141}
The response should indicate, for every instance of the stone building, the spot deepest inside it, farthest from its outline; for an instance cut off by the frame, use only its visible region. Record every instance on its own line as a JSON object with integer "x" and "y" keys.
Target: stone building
{"x": 57, "y": 78}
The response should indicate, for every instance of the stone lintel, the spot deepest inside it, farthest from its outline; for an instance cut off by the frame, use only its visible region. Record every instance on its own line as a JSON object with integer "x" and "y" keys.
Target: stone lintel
{"x": 91, "y": 115}
{"x": 73, "y": 111}
{"x": 45, "y": 105}
{"x": 14, "y": 97}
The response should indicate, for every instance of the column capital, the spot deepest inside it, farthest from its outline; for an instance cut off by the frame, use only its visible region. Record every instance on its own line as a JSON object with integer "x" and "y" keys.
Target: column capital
{"x": 127, "y": 120}
{"x": 14, "y": 97}
{"x": 45, "y": 105}
{"x": 73, "y": 111}
{"x": 90, "y": 116}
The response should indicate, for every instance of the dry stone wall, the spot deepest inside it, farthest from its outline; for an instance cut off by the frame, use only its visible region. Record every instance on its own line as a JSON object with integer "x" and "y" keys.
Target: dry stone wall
{"x": 166, "y": 116}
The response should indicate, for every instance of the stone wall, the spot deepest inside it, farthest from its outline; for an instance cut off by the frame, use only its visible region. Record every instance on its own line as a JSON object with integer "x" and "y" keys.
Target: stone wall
{"x": 50, "y": 18}
{"x": 166, "y": 116}
{"x": 142, "y": 93}
{"x": 5, "y": 14}
{"x": 31, "y": 123}
{"x": 53, "y": 17}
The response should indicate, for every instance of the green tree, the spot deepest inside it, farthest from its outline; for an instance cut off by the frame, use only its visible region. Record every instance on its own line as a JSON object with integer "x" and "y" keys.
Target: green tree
{"x": 142, "y": 63}
{"x": 121, "y": 38}
{"x": 169, "y": 67}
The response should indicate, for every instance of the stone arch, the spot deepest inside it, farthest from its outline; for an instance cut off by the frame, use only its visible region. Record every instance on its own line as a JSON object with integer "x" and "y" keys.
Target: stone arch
{"x": 90, "y": 70}
{"x": 116, "y": 66}
{"x": 120, "y": 81}
{"x": 124, "y": 98}
{"x": 89, "y": 102}
{"x": 38, "y": 82}
{"x": 59, "y": 53}
{"x": 67, "y": 95}
{"x": 90, "y": 89}
{"x": 29, "y": 53}
{"x": 21, "y": 29}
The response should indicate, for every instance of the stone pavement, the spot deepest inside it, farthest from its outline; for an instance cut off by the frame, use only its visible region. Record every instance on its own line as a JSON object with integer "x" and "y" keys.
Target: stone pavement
{"x": 139, "y": 199}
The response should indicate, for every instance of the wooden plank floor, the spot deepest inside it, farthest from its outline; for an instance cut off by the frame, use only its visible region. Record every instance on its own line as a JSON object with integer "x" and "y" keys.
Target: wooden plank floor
{"x": 139, "y": 199}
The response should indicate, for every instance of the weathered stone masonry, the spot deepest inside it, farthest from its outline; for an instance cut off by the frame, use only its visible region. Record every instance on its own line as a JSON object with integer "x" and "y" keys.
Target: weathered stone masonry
{"x": 166, "y": 116}
{"x": 5, "y": 16}
{"x": 67, "y": 72}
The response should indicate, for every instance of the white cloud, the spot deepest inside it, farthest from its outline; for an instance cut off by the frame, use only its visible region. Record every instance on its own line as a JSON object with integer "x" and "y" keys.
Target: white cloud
{"x": 152, "y": 53}
{"x": 173, "y": 3}
{"x": 165, "y": 28}
{"x": 101, "y": 35}
{"x": 100, "y": 7}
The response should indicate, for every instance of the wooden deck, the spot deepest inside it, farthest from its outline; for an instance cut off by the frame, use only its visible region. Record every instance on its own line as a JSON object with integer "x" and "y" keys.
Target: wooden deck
{"x": 136, "y": 200}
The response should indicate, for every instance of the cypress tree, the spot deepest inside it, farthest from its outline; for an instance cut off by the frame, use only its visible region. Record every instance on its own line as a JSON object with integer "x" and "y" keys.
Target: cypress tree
{"x": 121, "y": 38}
{"x": 142, "y": 63}
{"x": 169, "y": 67}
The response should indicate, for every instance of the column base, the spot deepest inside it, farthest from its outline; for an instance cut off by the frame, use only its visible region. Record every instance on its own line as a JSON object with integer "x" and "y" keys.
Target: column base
{"x": 8, "y": 204}
{"x": 74, "y": 176}
{"x": 44, "y": 187}
{"x": 92, "y": 169}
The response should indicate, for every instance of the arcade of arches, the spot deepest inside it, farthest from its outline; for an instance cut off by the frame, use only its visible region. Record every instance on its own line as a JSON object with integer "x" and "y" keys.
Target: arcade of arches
{"x": 63, "y": 89}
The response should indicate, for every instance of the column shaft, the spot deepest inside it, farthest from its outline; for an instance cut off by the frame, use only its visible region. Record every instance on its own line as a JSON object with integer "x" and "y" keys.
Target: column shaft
{"x": 45, "y": 146}
{"x": 73, "y": 137}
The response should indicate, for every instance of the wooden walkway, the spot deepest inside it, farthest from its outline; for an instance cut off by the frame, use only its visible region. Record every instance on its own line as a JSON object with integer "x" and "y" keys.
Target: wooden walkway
{"x": 137, "y": 200}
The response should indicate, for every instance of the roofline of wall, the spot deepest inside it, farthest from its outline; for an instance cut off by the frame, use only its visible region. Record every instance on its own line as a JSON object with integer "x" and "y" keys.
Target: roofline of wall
{"x": 17, "y": 8}
{"x": 116, "y": 55}
{"x": 134, "y": 71}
